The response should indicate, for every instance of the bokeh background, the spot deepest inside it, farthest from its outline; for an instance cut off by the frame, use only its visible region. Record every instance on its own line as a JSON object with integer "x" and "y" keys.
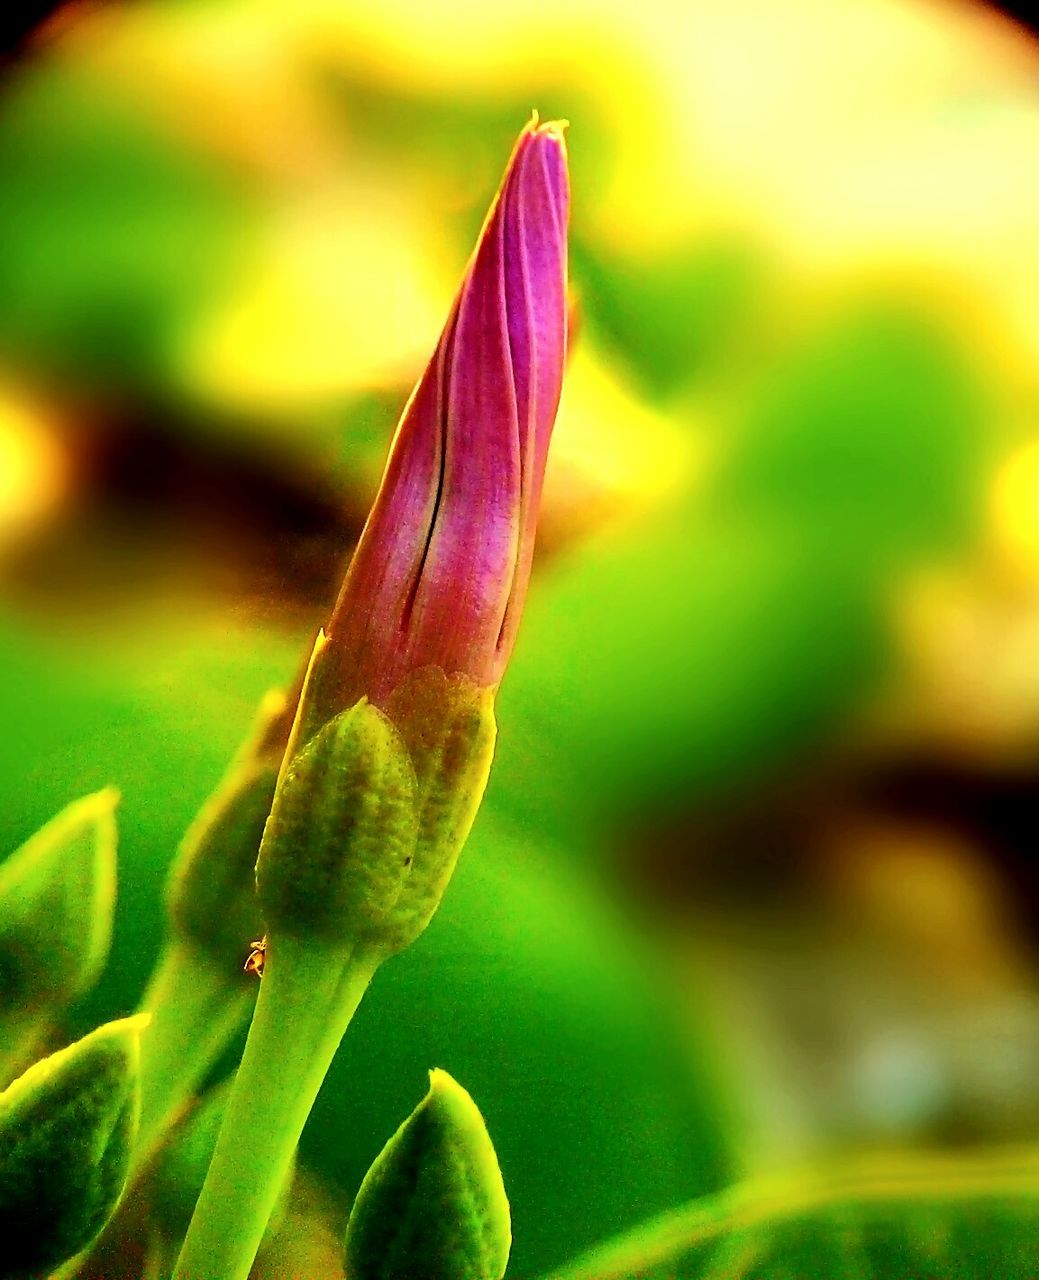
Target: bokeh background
{"x": 755, "y": 877}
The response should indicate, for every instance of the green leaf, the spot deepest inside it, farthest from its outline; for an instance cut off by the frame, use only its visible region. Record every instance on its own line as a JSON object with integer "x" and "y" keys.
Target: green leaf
{"x": 57, "y": 898}
{"x": 915, "y": 1218}
{"x": 66, "y": 1133}
{"x": 433, "y": 1203}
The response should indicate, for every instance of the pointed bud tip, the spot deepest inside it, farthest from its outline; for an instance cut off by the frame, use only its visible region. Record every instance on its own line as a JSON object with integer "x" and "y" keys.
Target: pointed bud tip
{"x": 454, "y": 1105}
{"x": 548, "y": 128}
{"x": 98, "y": 806}
{"x": 551, "y": 132}
{"x": 443, "y": 1084}
{"x": 128, "y": 1030}
{"x": 107, "y": 799}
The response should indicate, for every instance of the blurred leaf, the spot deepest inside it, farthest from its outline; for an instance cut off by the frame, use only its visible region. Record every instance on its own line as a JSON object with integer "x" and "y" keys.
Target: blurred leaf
{"x": 433, "y": 1204}
{"x": 868, "y": 433}
{"x": 116, "y": 236}
{"x": 684, "y": 660}
{"x": 160, "y": 706}
{"x": 57, "y": 900}
{"x": 66, "y": 1133}
{"x": 943, "y": 1219}
{"x": 668, "y": 317}
{"x": 211, "y": 891}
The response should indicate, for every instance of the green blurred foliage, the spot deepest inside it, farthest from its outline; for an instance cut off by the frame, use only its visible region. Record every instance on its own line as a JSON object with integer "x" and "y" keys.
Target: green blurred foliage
{"x": 117, "y": 236}
{"x": 671, "y": 318}
{"x": 968, "y": 1220}
{"x": 678, "y": 651}
{"x": 868, "y": 433}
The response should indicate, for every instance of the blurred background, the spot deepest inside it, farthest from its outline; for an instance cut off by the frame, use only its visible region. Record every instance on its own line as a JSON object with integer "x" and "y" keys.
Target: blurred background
{"x": 755, "y": 878}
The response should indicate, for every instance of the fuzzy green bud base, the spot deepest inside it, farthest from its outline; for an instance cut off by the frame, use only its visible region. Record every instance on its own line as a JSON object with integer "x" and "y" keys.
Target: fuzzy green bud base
{"x": 449, "y": 728}
{"x": 341, "y": 835}
{"x": 371, "y": 815}
{"x": 57, "y": 898}
{"x": 66, "y": 1134}
{"x": 433, "y": 1204}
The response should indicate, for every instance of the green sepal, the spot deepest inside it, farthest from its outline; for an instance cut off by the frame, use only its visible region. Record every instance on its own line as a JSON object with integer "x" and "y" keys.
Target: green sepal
{"x": 57, "y": 898}
{"x": 67, "y": 1127}
{"x": 340, "y": 839}
{"x": 433, "y": 1204}
{"x": 211, "y": 889}
{"x": 448, "y": 725}
{"x": 211, "y": 892}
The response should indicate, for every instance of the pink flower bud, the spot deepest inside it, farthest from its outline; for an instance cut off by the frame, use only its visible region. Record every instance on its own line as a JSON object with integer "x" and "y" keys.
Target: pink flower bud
{"x": 440, "y": 574}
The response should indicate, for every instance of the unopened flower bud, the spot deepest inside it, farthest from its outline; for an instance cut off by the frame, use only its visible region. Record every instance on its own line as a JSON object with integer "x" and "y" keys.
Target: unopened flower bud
{"x": 427, "y": 616}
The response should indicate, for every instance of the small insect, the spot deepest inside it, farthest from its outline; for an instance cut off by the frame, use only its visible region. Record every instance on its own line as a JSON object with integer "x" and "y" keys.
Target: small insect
{"x": 257, "y": 956}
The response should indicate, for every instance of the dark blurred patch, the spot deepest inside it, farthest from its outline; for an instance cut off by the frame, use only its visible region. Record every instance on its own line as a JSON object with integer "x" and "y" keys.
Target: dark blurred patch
{"x": 763, "y": 847}
{"x": 1021, "y": 13}
{"x": 156, "y": 498}
{"x": 994, "y": 807}
{"x": 18, "y": 20}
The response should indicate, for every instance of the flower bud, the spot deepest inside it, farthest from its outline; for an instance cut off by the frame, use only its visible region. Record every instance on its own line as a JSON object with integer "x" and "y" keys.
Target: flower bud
{"x": 210, "y": 891}
{"x": 433, "y": 1204}
{"x": 66, "y": 1133}
{"x": 427, "y": 616}
{"x": 340, "y": 839}
{"x": 57, "y": 899}
{"x": 440, "y": 573}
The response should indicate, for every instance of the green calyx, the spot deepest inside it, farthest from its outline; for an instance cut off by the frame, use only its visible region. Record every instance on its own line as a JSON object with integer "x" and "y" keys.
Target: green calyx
{"x": 341, "y": 834}
{"x": 67, "y": 1127}
{"x": 433, "y": 1204}
{"x": 371, "y": 814}
{"x": 449, "y": 727}
{"x": 57, "y": 897}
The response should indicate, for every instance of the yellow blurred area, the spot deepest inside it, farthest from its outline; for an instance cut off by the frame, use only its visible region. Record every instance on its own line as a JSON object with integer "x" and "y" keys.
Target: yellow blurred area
{"x": 612, "y": 455}
{"x": 33, "y": 466}
{"x": 869, "y": 133}
{"x": 344, "y": 294}
{"x": 1015, "y": 510}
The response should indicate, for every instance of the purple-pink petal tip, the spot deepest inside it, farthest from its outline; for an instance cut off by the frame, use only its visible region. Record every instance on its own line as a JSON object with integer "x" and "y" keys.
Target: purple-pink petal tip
{"x": 441, "y": 570}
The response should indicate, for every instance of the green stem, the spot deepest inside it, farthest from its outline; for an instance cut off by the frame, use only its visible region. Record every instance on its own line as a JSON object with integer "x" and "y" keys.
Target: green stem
{"x": 196, "y": 1009}
{"x": 307, "y": 997}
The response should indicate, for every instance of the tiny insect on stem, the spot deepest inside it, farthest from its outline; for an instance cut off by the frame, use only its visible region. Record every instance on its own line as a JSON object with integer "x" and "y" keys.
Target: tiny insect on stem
{"x": 257, "y": 957}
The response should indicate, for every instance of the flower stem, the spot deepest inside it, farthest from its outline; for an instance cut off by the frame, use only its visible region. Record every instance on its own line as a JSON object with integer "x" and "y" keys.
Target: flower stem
{"x": 307, "y": 997}
{"x": 195, "y": 1009}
